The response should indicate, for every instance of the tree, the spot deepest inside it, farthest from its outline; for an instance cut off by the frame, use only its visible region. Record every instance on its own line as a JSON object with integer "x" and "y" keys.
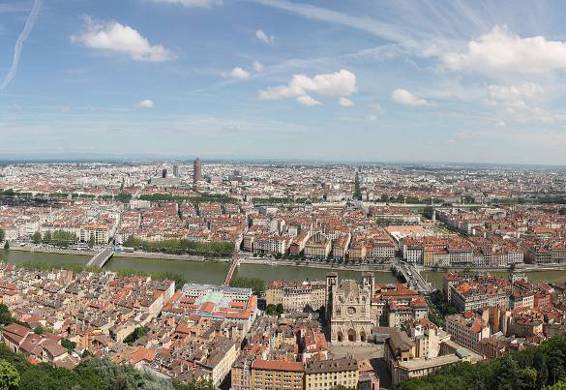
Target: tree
{"x": 68, "y": 344}
{"x": 539, "y": 363}
{"x": 9, "y": 376}
{"x": 256, "y": 284}
{"x": 2, "y": 235}
{"x": 194, "y": 385}
{"x": 555, "y": 361}
{"x": 36, "y": 238}
{"x": 91, "y": 242}
{"x": 5, "y": 315}
{"x": 62, "y": 238}
{"x": 6, "y": 246}
{"x": 39, "y": 330}
{"x": 139, "y": 332}
{"x": 279, "y": 309}
{"x": 47, "y": 237}
{"x": 270, "y": 309}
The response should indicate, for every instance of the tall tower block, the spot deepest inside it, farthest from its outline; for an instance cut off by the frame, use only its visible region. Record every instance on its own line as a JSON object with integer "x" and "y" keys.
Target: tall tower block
{"x": 197, "y": 175}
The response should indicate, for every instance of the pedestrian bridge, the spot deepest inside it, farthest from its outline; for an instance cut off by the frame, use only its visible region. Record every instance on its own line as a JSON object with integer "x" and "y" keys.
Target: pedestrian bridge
{"x": 101, "y": 258}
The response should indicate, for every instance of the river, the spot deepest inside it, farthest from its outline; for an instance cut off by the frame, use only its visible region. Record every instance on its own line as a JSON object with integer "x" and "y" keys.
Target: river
{"x": 214, "y": 272}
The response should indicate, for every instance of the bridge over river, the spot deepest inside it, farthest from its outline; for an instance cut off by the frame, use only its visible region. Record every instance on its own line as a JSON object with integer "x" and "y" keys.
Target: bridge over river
{"x": 101, "y": 258}
{"x": 413, "y": 277}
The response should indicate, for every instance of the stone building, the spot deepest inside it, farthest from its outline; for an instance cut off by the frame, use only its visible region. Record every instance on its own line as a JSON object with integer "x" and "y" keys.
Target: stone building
{"x": 349, "y": 307}
{"x": 354, "y": 309}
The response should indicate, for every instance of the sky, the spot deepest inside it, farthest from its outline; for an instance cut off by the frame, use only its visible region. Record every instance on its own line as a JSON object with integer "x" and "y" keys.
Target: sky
{"x": 390, "y": 80}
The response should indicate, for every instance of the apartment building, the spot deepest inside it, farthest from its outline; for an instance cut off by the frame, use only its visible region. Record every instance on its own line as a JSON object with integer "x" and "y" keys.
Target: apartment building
{"x": 468, "y": 329}
{"x": 98, "y": 233}
{"x": 327, "y": 374}
{"x": 405, "y": 360}
{"x": 295, "y": 296}
{"x": 318, "y": 247}
{"x": 277, "y": 375}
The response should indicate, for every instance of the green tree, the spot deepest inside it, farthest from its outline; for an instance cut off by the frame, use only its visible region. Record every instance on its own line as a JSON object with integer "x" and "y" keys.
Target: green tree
{"x": 62, "y": 238}
{"x": 556, "y": 361}
{"x": 9, "y": 376}
{"x": 270, "y": 309}
{"x": 6, "y": 246}
{"x": 36, "y": 238}
{"x": 68, "y": 344}
{"x": 39, "y": 330}
{"x": 5, "y": 315}
{"x": 47, "y": 237}
{"x": 178, "y": 247}
{"x": 195, "y": 385}
{"x": 136, "y": 334}
{"x": 9, "y": 192}
{"x": 91, "y": 241}
{"x": 279, "y": 309}
{"x": 256, "y": 284}
{"x": 539, "y": 364}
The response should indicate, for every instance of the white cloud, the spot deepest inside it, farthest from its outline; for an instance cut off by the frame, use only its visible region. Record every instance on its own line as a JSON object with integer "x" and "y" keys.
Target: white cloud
{"x": 258, "y": 66}
{"x": 402, "y": 96}
{"x": 306, "y": 100}
{"x": 146, "y": 103}
{"x": 345, "y": 102}
{"x": 341, "y": 83}
{"x": 503, "y": 51}
{"x": 265, "y": 38}
{"x": 520, "y": 102}
{"x": 118, "y": 38}
{"x": 191, "y": 3}
{"x": 522, "y": 91}
{"x": 378, "y": 28}
{"x": 238, "y": 73}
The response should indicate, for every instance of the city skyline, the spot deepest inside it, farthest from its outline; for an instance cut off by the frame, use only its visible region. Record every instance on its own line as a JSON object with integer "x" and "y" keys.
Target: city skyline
{"x": 284, "y": 80}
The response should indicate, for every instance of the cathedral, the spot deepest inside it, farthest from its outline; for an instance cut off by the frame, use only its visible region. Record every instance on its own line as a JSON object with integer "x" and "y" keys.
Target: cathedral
{"x": 354, "y": 309}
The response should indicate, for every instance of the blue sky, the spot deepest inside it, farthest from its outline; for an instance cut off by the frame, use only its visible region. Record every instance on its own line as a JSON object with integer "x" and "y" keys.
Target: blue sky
{"x": 399, "y": 80}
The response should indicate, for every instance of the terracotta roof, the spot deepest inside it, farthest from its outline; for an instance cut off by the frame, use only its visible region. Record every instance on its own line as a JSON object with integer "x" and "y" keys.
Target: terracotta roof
{"x": 278, "y": 365}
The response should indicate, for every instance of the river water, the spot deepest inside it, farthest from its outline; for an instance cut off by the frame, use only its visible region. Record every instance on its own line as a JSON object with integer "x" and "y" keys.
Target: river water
{"x": 214, "y": 272}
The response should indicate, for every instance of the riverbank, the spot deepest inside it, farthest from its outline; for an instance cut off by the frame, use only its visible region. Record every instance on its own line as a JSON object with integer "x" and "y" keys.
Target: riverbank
{"x": 90, "y": 253}
{"x": 338, "y": 267}
{"x": 33, "y": 249}
{"x": 243, "y": 260}
{"x": 523, "y": 268}
{"x": 214, "y": 271}
{"x": 246, "y": 259}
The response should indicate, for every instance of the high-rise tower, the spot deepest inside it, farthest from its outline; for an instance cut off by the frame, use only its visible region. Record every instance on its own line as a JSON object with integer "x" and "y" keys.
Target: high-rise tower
{"x": 197, "y": 176}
